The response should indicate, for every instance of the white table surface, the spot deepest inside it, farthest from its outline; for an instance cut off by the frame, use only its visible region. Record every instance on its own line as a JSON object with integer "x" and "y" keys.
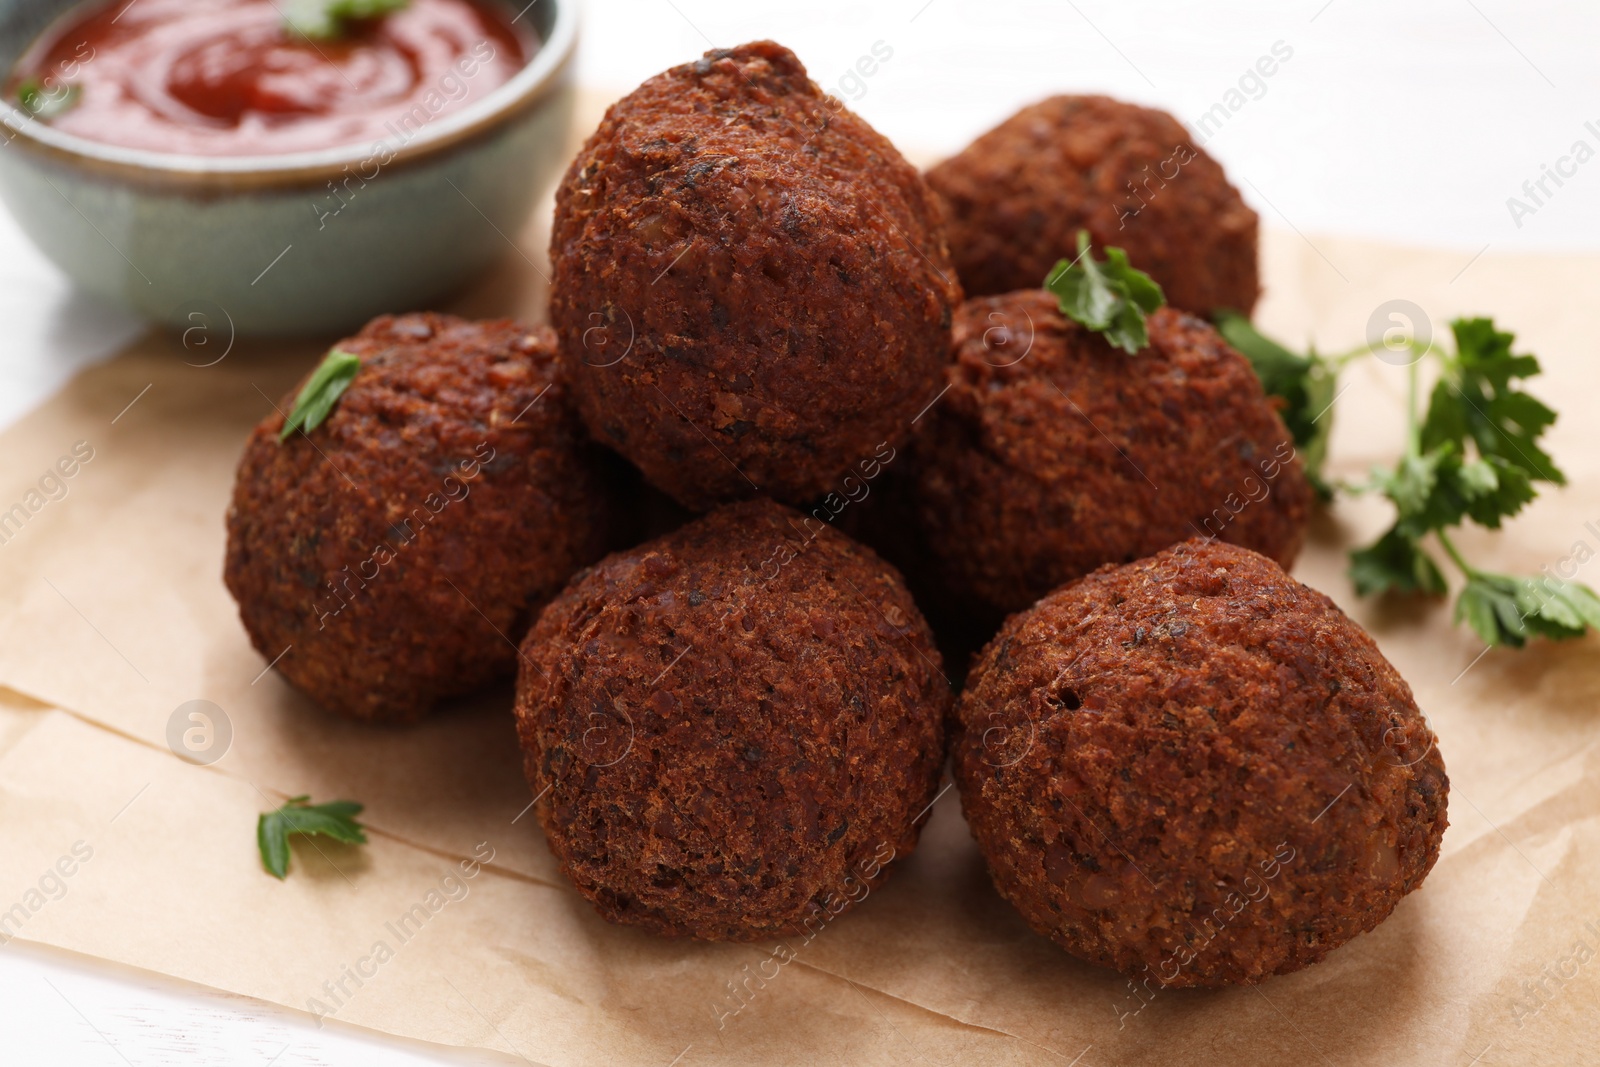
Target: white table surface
{"x": 1413, "y": 121}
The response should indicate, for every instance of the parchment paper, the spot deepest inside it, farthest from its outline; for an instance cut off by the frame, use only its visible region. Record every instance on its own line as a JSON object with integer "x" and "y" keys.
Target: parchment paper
{"x": 116, "y": 616}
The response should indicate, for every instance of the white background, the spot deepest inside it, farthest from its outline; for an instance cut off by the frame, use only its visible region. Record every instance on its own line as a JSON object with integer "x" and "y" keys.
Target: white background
{"x": 1409, "y": 120}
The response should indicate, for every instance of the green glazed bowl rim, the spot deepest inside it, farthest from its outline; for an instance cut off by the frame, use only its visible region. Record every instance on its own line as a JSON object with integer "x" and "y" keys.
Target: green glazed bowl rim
{"x": 526, "y": 88}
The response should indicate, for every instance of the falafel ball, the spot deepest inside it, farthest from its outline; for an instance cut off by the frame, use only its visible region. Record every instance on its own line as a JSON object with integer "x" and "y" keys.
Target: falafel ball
{"x": 1196, "y": 770}
{"x": 731, "y": 731}
{"x": 1053, "y": 452}
{"x": 1130, "y": 175}
{"x": 753, "y": 283}
{"x": 380, "y": 561}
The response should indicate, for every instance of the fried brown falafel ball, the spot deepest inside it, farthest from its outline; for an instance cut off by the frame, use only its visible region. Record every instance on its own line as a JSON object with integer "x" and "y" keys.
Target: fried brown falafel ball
{"x": 1196, "y": 770}
{"x": 732, "y": 730}
{"x": 448, "y": 495}
{"x": 1130, "y": 175}
{"x": 753, "y": 283}
{"x": 1053, "y": 452}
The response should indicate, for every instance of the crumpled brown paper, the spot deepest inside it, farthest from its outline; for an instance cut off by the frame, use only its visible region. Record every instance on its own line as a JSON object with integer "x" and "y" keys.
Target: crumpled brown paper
{"x": 454, "y": 925}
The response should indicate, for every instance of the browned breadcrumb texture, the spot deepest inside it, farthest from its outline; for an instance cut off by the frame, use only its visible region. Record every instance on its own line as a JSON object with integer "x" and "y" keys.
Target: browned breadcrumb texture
{"x": 1053, "y": 453}
{"x": 753, "y": 282}
{"x": 447, "y": 497}
{"x": 1196, "y": 770}
{"x": 1130, "y": 175}
{"x": 732, "y": 731}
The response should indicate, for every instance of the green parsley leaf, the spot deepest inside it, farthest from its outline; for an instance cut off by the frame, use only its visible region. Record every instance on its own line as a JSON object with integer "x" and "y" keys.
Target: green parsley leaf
{"x": 1507, "y": 611}
{"x": 1437, "y": 489}
{"x": 323, "y": 20}
{"x": 335, "y": 819}
{"x": 1110, "y": 298}
{"x": 321, "y": 392}
{"x": 45, "y": 104}
{"x": 1477, "y": 399}
{"x": 1492, "y": 489}
{"x": 1306, "y": 384}
{"x": 1411, "y": 487}
{"x": 1396, "y": 563}
{"x": 1474, "y": 456}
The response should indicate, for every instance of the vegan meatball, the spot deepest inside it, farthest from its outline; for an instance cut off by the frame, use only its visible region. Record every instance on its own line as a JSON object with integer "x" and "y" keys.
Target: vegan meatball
{"x": 1196, "y": 770}
{"x": 1053, "y": 452}
{"x": 754, "y": 284}
{"x": 732, "y": 730}
{"x": 381, "y": 561}
{"x": 1130, "y": 175}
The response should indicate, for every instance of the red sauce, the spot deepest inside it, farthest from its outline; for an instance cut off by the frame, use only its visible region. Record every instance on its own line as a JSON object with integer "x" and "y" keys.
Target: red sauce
{"x": 226, "y": 78}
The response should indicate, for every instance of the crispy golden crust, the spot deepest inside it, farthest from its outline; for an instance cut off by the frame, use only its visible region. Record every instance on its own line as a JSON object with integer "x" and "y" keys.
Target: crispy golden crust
{"x": 1053, "y": 453}
{"x": 754, "y": 286}
{"x": 448, "y": 495}
{"x": 1196, "y": 770}
{"x": 731, "y": 730}
{"x": 1129, "y": 175}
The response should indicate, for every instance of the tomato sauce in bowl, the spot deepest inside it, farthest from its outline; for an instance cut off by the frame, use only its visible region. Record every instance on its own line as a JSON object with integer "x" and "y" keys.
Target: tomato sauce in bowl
{"x": 230, "y": 78}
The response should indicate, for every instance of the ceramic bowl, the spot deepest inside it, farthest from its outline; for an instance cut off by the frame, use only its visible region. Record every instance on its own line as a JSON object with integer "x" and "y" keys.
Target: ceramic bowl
{"x": 304, "y": 243}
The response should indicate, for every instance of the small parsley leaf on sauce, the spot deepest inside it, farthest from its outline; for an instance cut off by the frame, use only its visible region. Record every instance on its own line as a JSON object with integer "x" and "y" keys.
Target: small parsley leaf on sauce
{"x": 326, "y": 20}
{"x": 46, "y": 104}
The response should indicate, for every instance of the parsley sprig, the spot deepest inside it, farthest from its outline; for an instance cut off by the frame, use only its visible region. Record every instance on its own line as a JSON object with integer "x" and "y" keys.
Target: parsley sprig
{"x": 335, "y": 819}
{"x": 321, "y": 391}
{"x": 1473, "y": 456}
{"x": 1111, "y": 298}
{"x": 1305, "y": 383}
{"x": 326, "y": 20}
